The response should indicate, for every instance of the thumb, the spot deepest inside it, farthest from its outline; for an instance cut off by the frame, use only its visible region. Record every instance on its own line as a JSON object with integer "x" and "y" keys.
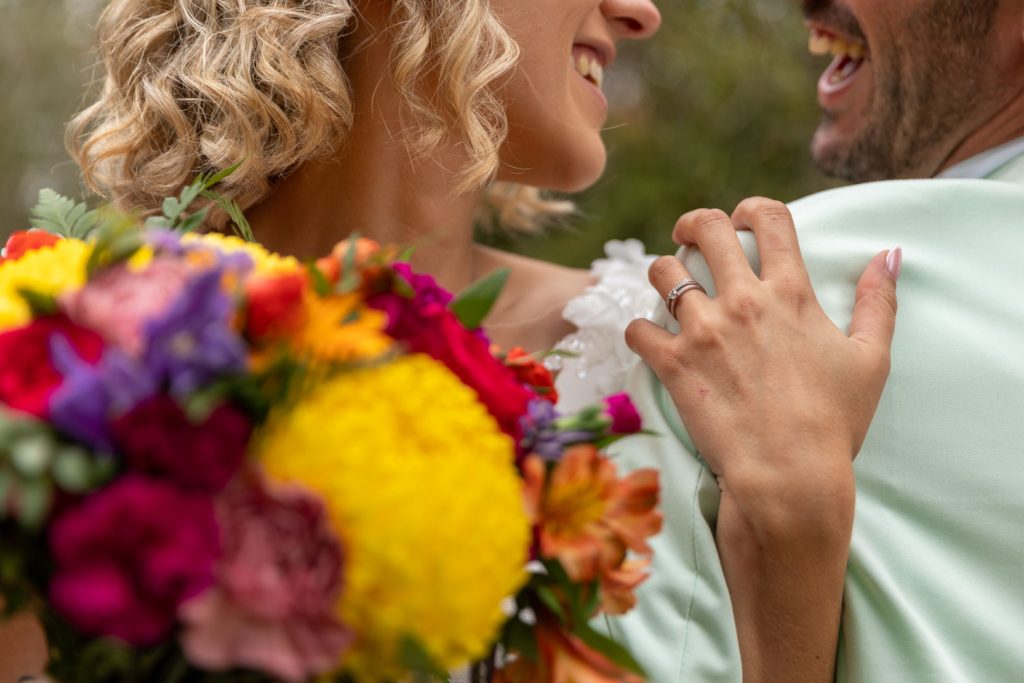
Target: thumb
{"x": 874, "y": 313}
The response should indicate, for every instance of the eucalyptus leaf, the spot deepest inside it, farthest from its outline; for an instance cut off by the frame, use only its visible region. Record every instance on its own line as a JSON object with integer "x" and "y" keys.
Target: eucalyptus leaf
{"x": 72, "y": 470}
{"x": 32, "y": 456}
{"x": 34, "y": 500}
{"x": 477, "y": 300}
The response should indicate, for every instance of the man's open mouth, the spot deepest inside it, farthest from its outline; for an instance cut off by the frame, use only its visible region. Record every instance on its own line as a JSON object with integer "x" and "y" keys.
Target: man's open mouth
{"x": 850, "y": 55}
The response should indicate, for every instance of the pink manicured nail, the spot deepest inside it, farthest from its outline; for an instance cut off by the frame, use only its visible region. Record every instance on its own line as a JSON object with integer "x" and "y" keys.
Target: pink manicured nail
{"x": 894, "y": 262}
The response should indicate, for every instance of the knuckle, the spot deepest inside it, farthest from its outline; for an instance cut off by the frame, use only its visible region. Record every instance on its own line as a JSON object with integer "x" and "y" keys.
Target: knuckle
{"x": 763, "y": 206}
{"x": 709, "y": 218}
{"x": 745, "y": 307}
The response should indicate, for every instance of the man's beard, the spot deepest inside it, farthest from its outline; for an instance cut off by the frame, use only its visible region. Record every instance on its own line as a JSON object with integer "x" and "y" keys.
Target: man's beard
{"x": 924, "y": 90}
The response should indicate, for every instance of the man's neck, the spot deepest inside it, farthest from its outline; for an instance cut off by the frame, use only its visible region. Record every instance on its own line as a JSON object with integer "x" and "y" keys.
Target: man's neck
{"x": 1005, "y": 126}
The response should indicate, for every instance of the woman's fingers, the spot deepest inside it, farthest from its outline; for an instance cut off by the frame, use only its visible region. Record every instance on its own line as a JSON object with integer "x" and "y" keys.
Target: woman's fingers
{"x": 650, "y": 342}
{"x": 714, "y": 233}
{"x": 773, "y": 228}
{"x": 666, "y": 274}
{"x": 874, "y": 312}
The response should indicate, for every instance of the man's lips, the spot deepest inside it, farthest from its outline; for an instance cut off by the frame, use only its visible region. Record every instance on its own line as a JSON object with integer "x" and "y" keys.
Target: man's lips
{"x": 849, "y": 55}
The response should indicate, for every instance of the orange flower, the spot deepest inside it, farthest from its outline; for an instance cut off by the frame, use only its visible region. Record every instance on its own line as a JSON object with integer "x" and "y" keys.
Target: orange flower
{"x": 368, "y": 257}
{"x": 532, "y": 373}
{"x": 562, "y": 658}
{"x": 588, "y": 518}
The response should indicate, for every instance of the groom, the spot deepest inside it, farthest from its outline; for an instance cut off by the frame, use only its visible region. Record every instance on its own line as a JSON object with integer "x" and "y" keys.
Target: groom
{"x": 919, "y": 89}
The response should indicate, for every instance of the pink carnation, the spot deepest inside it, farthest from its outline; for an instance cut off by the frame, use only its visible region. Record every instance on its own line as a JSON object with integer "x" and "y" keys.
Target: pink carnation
{"x": 278, "y": 582}
{"x": 129, "y": 556}
{"x": 119, "y": 301}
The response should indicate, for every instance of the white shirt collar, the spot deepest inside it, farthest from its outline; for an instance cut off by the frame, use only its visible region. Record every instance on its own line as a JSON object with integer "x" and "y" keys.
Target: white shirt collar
{"x": 986, "y": 163}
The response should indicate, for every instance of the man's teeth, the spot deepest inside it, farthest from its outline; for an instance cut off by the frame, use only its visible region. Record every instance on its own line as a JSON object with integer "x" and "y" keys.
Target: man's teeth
{"x": 822, "y": 43}
{"x": 590, "y": 69}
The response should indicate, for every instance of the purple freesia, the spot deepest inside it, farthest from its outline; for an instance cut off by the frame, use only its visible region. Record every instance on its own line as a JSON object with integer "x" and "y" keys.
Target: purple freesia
{"x": 91, "y": 394}
{"x": 193, "y": 342}
{"x": 541, "y": 432}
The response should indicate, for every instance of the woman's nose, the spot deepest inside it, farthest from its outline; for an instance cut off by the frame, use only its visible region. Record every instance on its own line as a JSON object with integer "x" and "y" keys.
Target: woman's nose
{"x": 633, "y": 19}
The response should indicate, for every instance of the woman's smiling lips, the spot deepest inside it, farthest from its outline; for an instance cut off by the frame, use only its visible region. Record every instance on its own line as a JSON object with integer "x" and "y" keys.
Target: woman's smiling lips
{"x": 589, "y": 60}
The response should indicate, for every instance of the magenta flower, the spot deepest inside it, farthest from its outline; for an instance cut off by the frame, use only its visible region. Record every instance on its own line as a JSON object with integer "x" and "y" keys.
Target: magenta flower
{"x": 278, "y": 582}
{"x": 624, "y": 416}
{"x": 119, "y": 301}
{"x": 129, "y": 555}
{"x": 157, "y": 438}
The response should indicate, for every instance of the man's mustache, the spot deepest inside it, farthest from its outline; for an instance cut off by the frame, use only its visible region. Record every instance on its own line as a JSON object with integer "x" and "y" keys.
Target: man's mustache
{"x": 832, "y": 14}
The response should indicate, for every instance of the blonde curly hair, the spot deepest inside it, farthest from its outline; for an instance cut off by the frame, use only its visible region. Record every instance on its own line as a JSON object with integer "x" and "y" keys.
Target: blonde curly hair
{"x": 195, "y": 86}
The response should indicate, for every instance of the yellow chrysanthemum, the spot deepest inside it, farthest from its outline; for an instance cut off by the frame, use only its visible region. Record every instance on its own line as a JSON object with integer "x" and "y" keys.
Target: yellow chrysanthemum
{"x": 339, "y": 329}
{"x": 51, "y": 271}
{"x": 421, "y": 486}
{"x": 266, "y": 261}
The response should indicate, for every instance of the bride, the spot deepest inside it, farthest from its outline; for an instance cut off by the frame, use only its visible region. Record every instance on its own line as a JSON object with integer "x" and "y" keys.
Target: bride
{"x": 411, "y": 121}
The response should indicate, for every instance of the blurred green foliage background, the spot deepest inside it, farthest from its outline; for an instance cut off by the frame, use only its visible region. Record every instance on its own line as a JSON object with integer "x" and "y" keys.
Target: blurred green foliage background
{"x": 719, "y": 106}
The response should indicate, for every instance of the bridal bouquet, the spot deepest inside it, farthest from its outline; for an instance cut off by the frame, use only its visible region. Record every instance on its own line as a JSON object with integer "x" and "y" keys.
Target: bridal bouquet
{"x": 221, "y": 464}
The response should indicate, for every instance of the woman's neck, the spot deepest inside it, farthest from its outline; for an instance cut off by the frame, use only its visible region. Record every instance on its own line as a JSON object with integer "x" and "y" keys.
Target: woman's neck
{"x": 373, "y": 186}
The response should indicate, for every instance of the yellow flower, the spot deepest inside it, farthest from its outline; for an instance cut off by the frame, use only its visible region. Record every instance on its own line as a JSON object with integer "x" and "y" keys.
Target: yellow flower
{"x": 421, "y": 488}
{"x": 50, "y": 271}
{"x": 266, "y": 261}
{"x": 337, "y": 329}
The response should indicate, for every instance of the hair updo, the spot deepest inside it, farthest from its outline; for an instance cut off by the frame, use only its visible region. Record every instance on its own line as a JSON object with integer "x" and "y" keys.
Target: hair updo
{"x": 195, "y": 86}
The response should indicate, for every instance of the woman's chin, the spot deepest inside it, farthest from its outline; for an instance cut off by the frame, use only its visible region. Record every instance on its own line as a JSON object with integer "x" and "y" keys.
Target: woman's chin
{"x": 573, "y": 173}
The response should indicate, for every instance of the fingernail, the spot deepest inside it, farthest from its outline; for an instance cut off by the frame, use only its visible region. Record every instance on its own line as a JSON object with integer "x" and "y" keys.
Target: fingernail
{"x": 894, "y": 262}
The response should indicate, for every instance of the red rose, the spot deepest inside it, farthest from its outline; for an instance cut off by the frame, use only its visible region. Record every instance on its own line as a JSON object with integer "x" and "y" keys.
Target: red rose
{"x": 532, "y": 373}
{"x": 27, "y": 375}
{"x": 28, "y": 240}
{"x": 469, "y": 356}
{"x": 274, "y": 305}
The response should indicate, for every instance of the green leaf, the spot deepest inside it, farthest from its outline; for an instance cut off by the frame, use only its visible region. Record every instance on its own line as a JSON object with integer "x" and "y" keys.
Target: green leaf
{"x": 62, "y": 216}
{"x": 35, "y": 499}
{"x": 72, "y": 470}
{"x": 33, "y": 456}
{"x": 172, "y": 208}
{"x": 41, "y": 305}
{"x": 194, "y": 222}
{"x": 320, "y": 283}
{"x": 414, "y": 657}
{"x": 608, "y": 647}
{"x": 477, "y": 300}
{"x": 216, "y": 178}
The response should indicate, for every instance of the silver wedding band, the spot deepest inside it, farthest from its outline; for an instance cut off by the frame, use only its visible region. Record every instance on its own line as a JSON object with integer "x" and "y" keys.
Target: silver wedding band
{"x": 677, "y": 292}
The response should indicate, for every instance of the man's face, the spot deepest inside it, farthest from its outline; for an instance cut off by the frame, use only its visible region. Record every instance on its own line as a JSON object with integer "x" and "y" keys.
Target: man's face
{"x": 910, "y": 80}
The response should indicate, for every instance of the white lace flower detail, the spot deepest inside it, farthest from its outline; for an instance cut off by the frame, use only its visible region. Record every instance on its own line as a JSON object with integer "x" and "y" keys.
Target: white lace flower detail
{"x": 601, "y": 358}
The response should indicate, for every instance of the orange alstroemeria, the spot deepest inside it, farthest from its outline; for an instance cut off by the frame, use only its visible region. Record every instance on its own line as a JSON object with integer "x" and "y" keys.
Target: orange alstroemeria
{"x": 562, "y": 658}
{"x": 588, "y": 519}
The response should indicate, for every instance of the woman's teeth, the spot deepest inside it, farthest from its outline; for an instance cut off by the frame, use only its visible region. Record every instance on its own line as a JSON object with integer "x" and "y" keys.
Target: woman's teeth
{"x": 589, "y": 68}
{"x": 822, "y": 43}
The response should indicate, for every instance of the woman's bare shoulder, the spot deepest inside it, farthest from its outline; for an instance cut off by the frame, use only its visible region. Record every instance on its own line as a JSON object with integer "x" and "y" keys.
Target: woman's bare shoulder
{"x": 529, "y": 312}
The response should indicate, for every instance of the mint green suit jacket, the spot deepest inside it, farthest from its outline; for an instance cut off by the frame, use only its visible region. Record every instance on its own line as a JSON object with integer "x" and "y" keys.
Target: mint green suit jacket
{"x": 935, "y": 583}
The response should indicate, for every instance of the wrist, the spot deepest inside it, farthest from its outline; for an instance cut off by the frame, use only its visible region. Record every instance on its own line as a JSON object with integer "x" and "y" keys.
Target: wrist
{"x": 808, "y": 504}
